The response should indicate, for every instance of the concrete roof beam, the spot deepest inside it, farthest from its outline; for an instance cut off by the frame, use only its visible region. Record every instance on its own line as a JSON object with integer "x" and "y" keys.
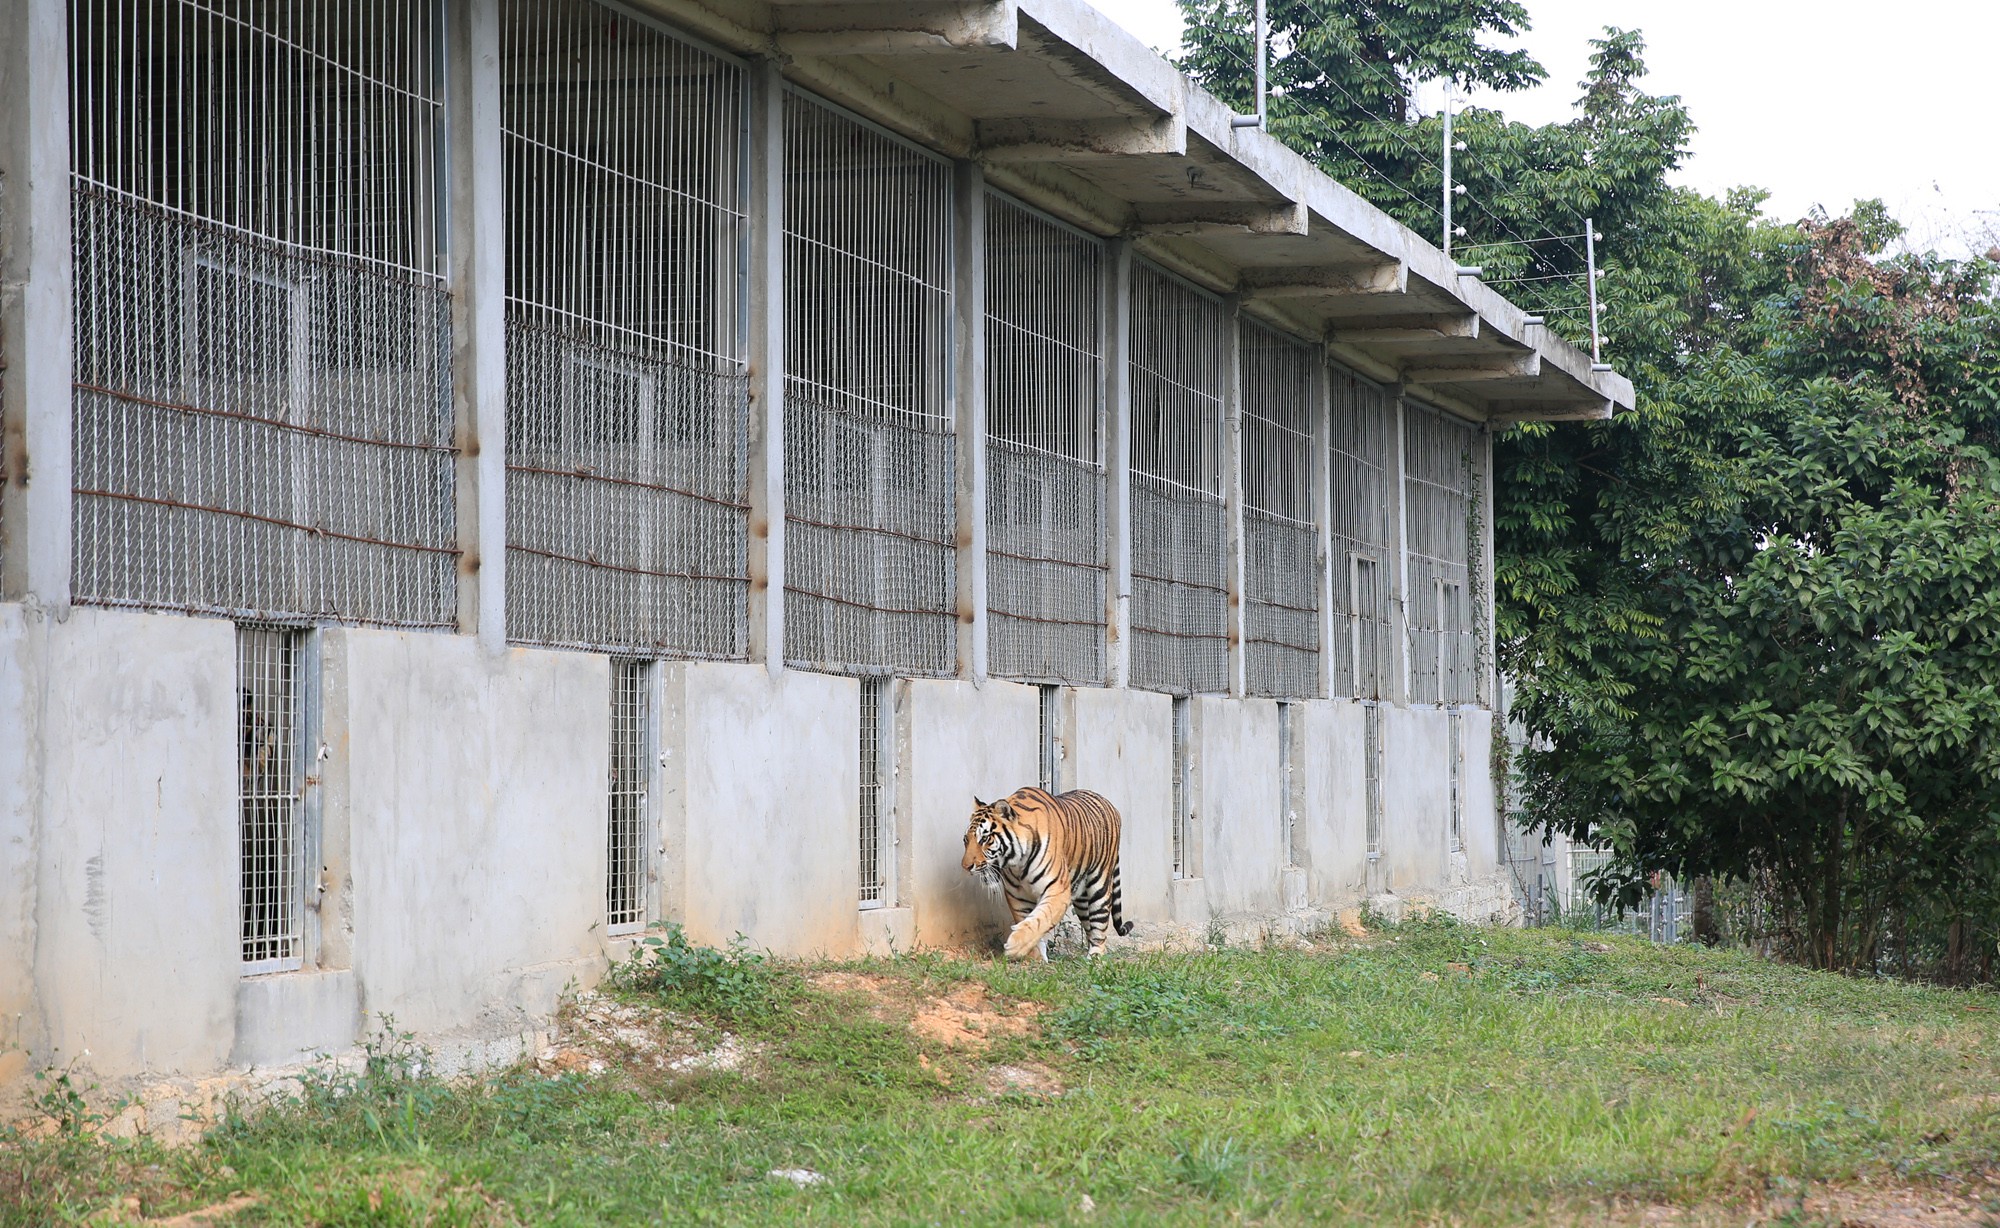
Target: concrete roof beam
{"x": 1199, "y": 219}
{"x": 847, "y": 29}
{"x": 1327, "y": 281}
{"x": 1418, "y": 330}
{"x": 1467, "y": 369}
{"x": 1012, "y": 142}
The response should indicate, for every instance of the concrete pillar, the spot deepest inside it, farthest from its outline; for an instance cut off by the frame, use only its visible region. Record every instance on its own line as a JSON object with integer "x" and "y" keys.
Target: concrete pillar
{"x": 1330, "y": 624}
{"x": 1117, "y": 333}
{"x": 1232, "y": 495}
{"x": 1489, "y": 673}
{"x": 35, "y": 298}
{"x": 1398, "y": 689}
{"x": 766, "y": 293}
{"x": 969, "y": 411}
{"x": 476, "y": 192}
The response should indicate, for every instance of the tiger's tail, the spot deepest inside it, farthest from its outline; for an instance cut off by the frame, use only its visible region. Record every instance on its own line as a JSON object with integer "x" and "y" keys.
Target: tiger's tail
{"x": 1118, "y": 921}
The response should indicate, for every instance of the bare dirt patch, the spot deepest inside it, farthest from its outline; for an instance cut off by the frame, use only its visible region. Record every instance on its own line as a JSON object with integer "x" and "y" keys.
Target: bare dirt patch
{"x": 967, "y": 1016}
{"x": 1023, "y": 1079}
{"x": 1960, "y": 1205}
{"x": 595, "y": 1033}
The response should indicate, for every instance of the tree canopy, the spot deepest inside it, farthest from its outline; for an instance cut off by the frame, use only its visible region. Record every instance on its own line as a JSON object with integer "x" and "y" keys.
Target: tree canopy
{"x": 1753, "y": 624}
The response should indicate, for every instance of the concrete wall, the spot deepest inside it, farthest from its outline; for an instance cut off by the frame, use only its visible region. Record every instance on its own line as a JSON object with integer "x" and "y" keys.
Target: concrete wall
{"x": 476, "y": 806}
{"x": 1416, "y": 799}
{"x": 1334, "y": 817}
{"x": 957, "y": 741}
{"x": 22, "y": 652}
{"x": 136, "y": 928}
{"x": 761, "y": 806}
{"x": 1239, "y": 805}
{"x": 1121, "y": 744}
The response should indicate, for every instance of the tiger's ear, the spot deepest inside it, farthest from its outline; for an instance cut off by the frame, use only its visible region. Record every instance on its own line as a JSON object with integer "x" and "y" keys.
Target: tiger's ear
{"x": 977, "y": 804}
{"x": 1004, "y": 808}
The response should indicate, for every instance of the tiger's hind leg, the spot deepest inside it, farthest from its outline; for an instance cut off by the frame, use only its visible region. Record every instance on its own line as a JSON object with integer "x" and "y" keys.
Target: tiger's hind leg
{"x": 1093, "y": 909}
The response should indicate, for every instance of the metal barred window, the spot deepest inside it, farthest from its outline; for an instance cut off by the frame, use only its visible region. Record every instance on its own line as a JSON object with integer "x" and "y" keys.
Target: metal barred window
{"x": 1362, "y": 484}
{"x": 627, "y": 873}
{"x": 874, "y": 813}
{"x": 1288, "y": 810}
{"x": 1455, "y": 768}
{"x": 1281, "y": 573}
{"x": 263, "y": 417}
{"x": 1180, "y": 362}
{"x": 1371, "y": 770}
{"x": 870, "y": 462}
{"x": 270, "y": 753}
{"x": 627, "y": 391}
{"x": 1438, "y": 459}
{"x": 1048, "y": 747}
{"x": 1183, "y": 787}
{"x": 1045, "y": 484}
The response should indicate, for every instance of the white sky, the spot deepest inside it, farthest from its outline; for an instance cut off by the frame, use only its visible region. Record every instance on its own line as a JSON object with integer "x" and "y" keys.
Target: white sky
{"x": 1817, "y": 101}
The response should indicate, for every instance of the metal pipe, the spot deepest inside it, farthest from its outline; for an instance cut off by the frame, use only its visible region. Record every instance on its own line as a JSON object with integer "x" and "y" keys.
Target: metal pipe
{"x": 1597, "y": 362}
{"x": 1256, "y": 118}
{"x": 1446, "y": 213}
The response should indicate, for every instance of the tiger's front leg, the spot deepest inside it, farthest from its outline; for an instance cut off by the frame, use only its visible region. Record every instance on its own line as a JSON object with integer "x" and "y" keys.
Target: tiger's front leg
{"x": 1028, "y": 932}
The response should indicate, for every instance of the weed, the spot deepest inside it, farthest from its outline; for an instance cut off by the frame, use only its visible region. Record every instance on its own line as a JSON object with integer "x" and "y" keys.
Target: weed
{"x": 62, "y": 1103}
{"x": 739, "y": 984}
{"x": 1213, "y": 1168}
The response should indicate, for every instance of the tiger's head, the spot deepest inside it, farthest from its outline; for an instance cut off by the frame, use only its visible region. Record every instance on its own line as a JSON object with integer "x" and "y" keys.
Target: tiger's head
{"x": 988, "y": 843}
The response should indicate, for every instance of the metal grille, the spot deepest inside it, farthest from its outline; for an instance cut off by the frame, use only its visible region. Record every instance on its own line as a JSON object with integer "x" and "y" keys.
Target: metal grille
{"x": 1362, "y": 456}
{"x": 626, "y": 876}
{"x": 1180, "y": 361}
{"x": 1455, "y": 769}
{"x": 870, "y": 463}
{"x": 1281, "y": 398}
{"x": 263, "y": 410}
{"x": 270, "y": 809}
{"x": 1045, "y": 485}
{"x": 1371, "y": 769}
{"x": 627, "y": 393}
{"x": 1183, "y": 768}
{"x": 1049, "y": 754}
{"x": 874, "y": 882}
{"x": 1437, "y": 489}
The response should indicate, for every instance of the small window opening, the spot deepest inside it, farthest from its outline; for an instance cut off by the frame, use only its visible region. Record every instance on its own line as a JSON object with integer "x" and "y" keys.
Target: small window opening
{"x": 1455, "y": 754}
{"x": 1183, "y": 787}
{"x": 626, "y": 867}
{"x": 271, "y": 811}
{"x": 1288, "y": 810}
{"x": 874, "y": 883}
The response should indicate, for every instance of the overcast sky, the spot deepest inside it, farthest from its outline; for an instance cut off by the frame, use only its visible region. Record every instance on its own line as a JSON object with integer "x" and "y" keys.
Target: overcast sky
{"x": 1816, "y": 101}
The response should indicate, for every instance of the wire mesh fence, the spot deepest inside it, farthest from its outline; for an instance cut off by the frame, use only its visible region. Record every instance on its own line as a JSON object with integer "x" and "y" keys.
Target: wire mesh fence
{"x": 263, "y": 420}
{"x": 1281, "y": 581}
{"x": 1045, "y": 482}
{"x": 627, "y": 392}
{"x": 271, "y": 814}
{"x": 1444, "y": 649}
{"x": 626, "y": 874}
{"x": 1362, "y": 468}
{"x": 1180, "y": 631}
{"x": 870, "y": 463}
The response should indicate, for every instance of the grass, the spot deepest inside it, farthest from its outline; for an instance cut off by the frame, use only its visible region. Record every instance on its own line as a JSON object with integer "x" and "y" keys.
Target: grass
{"x": 1430, "y": 1073}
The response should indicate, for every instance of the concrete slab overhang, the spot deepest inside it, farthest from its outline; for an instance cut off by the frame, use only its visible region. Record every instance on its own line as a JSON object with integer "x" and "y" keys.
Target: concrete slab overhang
{"x": 1071, "y": 113}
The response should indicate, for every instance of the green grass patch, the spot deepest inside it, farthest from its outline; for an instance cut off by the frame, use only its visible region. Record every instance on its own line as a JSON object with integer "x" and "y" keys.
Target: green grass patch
{"x": 1430, "y": 1073}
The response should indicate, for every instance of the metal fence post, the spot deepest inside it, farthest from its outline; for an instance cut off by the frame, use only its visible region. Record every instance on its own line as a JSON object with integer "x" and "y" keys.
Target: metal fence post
{"x": 1232, "y": 487}
{"x": 1118, "y": 462}
{"x": 36, "y": 353}
{"x": 1398, "y": 689}
{"x": 765, "y": 204}
{"x": 476, "y": 190}
{"x": 969, "y": 266}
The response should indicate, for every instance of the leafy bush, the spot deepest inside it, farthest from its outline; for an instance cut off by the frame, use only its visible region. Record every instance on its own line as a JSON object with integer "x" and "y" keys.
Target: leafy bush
{"x": 739, "y": 983}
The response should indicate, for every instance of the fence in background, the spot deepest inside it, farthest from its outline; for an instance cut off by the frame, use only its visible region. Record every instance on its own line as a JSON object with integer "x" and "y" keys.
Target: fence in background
{"x": 870, "y": 464}
{"x": 1281, "y": 558}
{"x": 627, "y": 394}
{"x": 1045, "y": 486}
{"x": 1179, "y": 367}
{"x": 263, "y": 418}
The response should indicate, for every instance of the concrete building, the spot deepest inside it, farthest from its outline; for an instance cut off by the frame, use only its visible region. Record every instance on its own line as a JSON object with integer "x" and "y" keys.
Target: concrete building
{"x": 484, "y": 476}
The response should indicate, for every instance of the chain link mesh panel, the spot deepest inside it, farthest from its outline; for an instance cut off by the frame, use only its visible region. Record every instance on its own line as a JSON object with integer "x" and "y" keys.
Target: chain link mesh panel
{"x": 263, "y": 411}
{"x": 1281, "y": 582}
{"x": 1180, "y": 630}
{"x": 1362, "y": 459}
{"x": 870, "y": 462}
{"x": 1045, "y": 485}
{"x": 627, "y": 394}
{"x": 1444, "y": 650}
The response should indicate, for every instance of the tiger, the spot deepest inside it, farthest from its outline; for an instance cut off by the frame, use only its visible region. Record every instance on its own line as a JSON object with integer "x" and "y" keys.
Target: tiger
{"x": 1049, "y": 852}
